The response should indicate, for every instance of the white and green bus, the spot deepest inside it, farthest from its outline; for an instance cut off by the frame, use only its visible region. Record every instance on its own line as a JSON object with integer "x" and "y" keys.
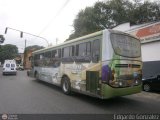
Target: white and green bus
{"x": 104, "y": 64}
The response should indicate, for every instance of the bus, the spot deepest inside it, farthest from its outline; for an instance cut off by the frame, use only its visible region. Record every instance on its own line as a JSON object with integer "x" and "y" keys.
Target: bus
{"x": 103, "y": 64}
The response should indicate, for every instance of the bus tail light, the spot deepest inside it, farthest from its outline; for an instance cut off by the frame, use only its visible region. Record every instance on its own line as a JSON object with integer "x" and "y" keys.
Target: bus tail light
{"x": 107, "y": 74}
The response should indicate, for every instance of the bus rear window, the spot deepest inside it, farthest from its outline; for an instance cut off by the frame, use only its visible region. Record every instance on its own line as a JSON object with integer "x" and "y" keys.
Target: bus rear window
{"x": 126, "y": 46}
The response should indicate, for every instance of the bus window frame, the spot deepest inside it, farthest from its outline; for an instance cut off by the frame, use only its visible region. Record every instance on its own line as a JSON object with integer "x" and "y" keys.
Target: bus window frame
{"x": 99, "y": 54}
{"x": 83, "y": 57}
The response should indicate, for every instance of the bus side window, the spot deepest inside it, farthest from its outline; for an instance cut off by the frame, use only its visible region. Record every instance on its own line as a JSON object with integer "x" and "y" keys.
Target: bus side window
{"x": 59, "y": 53}
{"x": 77, "y": 50}
{"x": 41, "y": 56}
{"x": 56, "y": 58}
{"x": 54, "y": 52}
{"x": 88, "y": 48}
{"x": 72, "y": 51}
{"x": 83, "y": 52}
{"x": 95, "y": 51}
{"x": 37, "y": 60}
{"x": 35, "y": 57}
{"x": 47, "y": 58}
{"x": 65, "y": 54}
{"x": 42, "y": 59}
{"x": 48, "y": 54}
{"x": 82, "y": 49}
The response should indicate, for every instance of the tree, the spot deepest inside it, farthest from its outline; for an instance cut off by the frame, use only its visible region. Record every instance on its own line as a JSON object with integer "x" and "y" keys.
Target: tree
{"x": 112, "y": 13}
{"x": 35, "y": 47}
{"x": 144, "y": 12}
{"x": 8, "y": 51}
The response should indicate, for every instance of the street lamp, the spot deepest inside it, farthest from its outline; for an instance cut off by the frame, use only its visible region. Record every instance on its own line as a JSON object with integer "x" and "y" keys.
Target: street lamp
{"x": 21, "y": 34}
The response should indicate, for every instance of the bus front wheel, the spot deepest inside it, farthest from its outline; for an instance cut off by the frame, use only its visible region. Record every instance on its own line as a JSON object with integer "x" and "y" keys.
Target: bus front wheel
{"x": 66, "y": 86}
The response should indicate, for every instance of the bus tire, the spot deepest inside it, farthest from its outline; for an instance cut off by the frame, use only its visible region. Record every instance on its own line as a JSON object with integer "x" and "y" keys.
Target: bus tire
{"x": 66, "y": 85}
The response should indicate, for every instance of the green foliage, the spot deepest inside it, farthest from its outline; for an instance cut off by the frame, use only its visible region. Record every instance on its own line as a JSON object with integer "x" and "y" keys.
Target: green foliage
{"x": 112, "y": 13}
{"x": 146, "y": 12}
{"x": 35, "y": 47}
{"x": 8, "y": 51}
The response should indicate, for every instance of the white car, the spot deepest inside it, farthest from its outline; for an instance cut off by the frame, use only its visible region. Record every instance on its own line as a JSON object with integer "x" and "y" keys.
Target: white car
{"x": 9, "y": 67}
{"x": 20, "y": 67}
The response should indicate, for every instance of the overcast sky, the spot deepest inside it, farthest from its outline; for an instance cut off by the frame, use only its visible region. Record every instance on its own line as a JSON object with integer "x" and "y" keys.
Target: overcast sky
{"x": 45, "y": 18}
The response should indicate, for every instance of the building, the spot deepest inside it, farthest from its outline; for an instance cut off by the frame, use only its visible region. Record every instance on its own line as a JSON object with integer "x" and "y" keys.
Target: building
{"x": 149, "y": 35}
{"x": 27, "y": 59}
{"x": 19, "y": 58}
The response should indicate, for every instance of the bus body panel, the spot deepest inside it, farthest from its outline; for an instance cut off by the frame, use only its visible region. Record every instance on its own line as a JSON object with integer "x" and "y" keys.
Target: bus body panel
{"x": 76, "y": 72}
{"x": 48, "y": 74}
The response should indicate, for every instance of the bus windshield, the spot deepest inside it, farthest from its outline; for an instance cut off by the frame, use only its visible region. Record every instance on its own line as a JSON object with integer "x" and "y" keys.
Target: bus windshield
{"x": 126, "y": 46}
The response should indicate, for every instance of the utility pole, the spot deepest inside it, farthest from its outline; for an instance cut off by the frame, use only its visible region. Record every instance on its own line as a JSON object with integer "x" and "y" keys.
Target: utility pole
{"x": 56, "y": 41}
{"x": 25, "y": 44}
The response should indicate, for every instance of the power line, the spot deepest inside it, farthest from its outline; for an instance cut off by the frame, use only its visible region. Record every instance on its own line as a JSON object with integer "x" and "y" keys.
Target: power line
{"x": 21, "y": 34}
{"x": 59, "y": 11}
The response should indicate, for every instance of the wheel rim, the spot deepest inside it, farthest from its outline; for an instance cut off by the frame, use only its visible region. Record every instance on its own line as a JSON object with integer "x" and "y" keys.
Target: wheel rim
{"x": 65, "y": 86}
{"x": 146, "y": 87}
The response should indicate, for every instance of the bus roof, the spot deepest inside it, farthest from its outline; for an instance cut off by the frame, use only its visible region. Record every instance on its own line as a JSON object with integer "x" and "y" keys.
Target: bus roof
{"x": 71, "y": 41}
{"x": 80, "y": 38}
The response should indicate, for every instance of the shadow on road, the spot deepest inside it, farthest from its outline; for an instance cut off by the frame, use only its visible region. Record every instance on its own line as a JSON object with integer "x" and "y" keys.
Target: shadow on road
{"x": 157, "y": 92}
{"x": 54, "y": 87}
{"x": 126, "y": 104}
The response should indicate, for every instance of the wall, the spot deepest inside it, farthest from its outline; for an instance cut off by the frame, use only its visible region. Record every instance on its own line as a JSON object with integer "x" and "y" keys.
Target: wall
{"x": 151, "y": 59}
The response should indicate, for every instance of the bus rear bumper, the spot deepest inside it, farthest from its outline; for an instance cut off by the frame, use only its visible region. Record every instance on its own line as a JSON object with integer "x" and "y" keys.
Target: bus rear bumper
{"x": 110, "y": 92}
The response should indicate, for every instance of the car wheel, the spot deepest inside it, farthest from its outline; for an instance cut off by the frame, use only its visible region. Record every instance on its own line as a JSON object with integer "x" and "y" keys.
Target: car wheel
{"x": 146, "y": 87}
{"x": 66, "y": 86}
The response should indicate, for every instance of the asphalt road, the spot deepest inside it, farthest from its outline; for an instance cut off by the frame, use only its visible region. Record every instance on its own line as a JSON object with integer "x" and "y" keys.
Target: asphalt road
{"x": 23, "y": 95}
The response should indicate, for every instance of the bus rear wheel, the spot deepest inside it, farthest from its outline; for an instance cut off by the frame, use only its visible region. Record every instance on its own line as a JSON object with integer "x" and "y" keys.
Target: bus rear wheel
{"x": 66, "y": 85}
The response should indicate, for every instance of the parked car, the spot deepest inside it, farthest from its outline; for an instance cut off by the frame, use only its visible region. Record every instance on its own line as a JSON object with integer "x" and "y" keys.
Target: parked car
{"x": 152, "y": 83}
{"x": 9, "y": 67}
{"x": 20, "y": 67}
